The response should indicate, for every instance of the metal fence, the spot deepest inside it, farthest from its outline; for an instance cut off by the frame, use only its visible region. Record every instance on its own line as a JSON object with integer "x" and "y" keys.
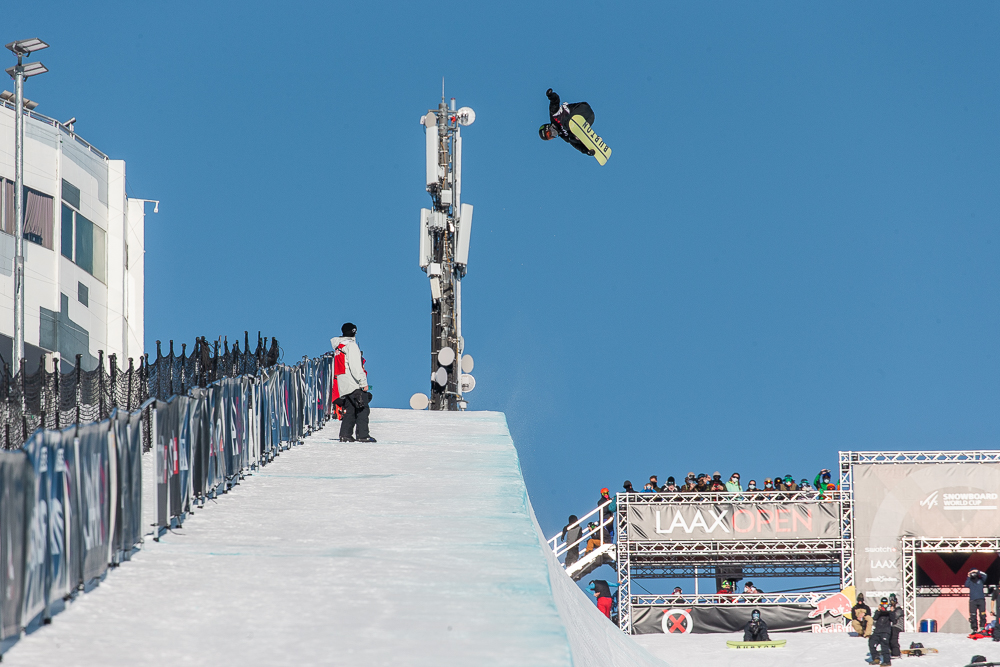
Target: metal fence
{"x": 54, "y": 400}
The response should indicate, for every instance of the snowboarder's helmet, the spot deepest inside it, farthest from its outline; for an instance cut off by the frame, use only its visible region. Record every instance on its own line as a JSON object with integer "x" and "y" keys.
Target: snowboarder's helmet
{"x": 546, "y": 132}
{"x": 755, "y": 615}
{"x": 348, "y": 329}
{"x": 604, "y": 490}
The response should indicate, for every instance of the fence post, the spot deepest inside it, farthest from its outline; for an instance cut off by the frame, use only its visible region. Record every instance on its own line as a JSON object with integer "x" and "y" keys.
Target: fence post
{"x": 24, "y": 386}
{"x": 131, "y": 374}
{"x": 79, "y": 373}
{"x": 57, "y": 375}
{"x": 41, "y": 393}
{"x": 113, "y": 364}
{"x": 100, "y": 384}
{"x": 171, "y": 385}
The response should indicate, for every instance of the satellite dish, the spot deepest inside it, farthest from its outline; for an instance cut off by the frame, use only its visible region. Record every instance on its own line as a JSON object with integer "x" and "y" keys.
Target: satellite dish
{"x": 468, "y": 383}
{"x": 419, "y": 401}
{"x": 466, "y": 116}
{"x": 441, "y": 377}
{"x": 430, "y": 120}
{"x": 446, "y": 356}
{"x": 467, "y": 363}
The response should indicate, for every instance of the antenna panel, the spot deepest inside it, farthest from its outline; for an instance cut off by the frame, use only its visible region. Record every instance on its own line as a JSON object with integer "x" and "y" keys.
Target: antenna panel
{"x": 458, "y": 166}
{"x": 431, "y": 137}
{"x": 426, "y": 244}
{"x": 463, "y": 234}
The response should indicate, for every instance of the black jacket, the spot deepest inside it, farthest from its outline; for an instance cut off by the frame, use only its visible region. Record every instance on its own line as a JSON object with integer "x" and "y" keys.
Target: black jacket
{"x": 860, "y": 605}
{"x": 756, "y": 632}
{"x": 601, "y": 588}
{"x": 976, "y": 586}
{"x": 883, "y": 621}
{"x": 559, "y": 115}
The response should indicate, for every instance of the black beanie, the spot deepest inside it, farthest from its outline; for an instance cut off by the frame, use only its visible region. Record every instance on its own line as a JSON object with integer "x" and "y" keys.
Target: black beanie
{"x": 670, "y": 480}
{"x": 348, "y": 329}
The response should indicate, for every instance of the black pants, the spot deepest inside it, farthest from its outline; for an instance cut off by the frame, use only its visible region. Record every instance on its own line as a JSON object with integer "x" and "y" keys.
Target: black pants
{"x": 894, "y": 642}
{"x": 355, "y": 416}
{"x": 977, "y": 614}
{"x": 572, "y": 554}
{"x": 878, "y": 646}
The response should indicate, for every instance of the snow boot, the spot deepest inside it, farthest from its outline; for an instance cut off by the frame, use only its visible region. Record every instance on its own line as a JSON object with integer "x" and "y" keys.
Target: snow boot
{"x": 368, "y": 439}
{"x": 346, "y": 438}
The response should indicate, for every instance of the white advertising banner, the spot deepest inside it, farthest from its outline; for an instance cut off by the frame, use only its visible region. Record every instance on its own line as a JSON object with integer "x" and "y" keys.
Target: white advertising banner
{"x": 892, "y": 500}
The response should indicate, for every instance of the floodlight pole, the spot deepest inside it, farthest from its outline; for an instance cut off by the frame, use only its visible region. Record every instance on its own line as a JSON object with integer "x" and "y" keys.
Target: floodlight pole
{"x": 20, "y": 49}
{"x": 18, "y": 214}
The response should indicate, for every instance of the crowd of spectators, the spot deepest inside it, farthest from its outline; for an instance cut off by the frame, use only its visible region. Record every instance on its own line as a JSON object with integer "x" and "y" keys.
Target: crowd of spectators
{"x": 820, "y": 487}
{"x": 602, "y": 529}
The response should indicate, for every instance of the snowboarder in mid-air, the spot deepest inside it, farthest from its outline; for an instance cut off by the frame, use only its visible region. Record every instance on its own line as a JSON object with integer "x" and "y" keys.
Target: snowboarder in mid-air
{"x": 558, "y": 125}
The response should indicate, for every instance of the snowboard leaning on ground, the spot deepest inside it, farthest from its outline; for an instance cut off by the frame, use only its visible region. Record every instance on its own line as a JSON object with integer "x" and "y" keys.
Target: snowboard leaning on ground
{"x": 581, "y": 130}
{"x": 778, "y": 643}
{"x": 918, "y": 651}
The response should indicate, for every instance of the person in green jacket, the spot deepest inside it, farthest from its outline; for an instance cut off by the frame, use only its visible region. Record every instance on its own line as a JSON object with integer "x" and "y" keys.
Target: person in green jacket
{"x": 733, "y": 485}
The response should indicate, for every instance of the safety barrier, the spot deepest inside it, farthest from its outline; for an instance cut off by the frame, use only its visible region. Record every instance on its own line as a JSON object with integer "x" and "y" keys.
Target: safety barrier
{"x": 53, "y": 399}
{"x": 71, "y": 499}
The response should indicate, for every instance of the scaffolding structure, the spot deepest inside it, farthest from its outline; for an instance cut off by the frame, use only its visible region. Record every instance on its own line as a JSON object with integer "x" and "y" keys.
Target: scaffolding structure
{"x": 645, "y": 556}
{"x": 647, "y": 559}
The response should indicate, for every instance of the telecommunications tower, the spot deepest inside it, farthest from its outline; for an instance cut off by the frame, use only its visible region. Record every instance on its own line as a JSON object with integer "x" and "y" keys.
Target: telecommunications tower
{"x": 445, "y": 229}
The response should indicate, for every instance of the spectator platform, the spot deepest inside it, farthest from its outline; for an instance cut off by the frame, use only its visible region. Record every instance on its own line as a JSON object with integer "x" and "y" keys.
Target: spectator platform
{"x": 910, "y": 523}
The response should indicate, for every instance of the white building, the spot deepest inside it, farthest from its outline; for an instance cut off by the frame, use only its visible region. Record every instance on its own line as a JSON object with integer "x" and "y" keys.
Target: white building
{"x": 83, "y": 249}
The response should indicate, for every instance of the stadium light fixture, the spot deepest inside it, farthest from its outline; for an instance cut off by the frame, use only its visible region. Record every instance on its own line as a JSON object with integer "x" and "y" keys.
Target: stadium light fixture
{"x": 23, "y": 47}
{"x": 29, "y": 70}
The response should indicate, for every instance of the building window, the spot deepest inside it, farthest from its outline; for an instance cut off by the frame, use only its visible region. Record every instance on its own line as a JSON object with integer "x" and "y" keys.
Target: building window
{"x": 83, "y": 242}
{"x": 83, "y": 294}
{"x": 38, "y": 218}
{"x": 37, "y": 214}
{"x": 7, "y": 205}
{"x": 71, "y": 194}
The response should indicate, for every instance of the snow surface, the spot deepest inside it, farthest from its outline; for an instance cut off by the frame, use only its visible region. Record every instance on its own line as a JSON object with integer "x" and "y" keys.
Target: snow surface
{"x": 421, "y": 549}
{"x": 805, "y": 649}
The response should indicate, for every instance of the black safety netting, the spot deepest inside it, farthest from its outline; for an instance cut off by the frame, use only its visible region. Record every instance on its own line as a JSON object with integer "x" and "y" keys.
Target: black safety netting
{"x": 55, "y": 400}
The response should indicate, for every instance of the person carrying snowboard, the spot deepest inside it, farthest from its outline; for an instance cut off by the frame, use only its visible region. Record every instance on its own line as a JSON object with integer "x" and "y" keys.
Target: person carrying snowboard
{"x": 352, "y": 385}
{"x": 558, "y": 125}
{"x": 756, "y": 628}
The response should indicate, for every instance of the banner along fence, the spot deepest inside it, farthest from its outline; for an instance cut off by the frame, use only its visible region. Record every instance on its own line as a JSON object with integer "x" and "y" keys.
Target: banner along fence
{"x": 71, "y": 499}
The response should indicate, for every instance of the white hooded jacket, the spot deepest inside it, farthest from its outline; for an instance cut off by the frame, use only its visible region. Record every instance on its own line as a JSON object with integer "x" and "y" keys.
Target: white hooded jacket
{"x": 355, "y": 377}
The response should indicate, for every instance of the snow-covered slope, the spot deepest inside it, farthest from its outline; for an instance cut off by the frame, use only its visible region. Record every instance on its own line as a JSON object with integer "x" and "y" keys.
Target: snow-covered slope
{"x": 421, "y": 549}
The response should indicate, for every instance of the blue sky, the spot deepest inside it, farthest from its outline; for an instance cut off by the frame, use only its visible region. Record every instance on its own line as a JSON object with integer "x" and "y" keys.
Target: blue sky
{"x": 792, "y": 251}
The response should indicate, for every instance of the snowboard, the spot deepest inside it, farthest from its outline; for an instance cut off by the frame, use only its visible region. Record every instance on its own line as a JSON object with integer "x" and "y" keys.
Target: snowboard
{"x": 918, "y": 651}
{"x": 581, "y": 130}
{"x": 772, "y": 644}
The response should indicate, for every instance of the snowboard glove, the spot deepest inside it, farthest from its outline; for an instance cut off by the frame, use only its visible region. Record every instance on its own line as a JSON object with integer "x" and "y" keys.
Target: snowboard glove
{"x": 591, "y": 152}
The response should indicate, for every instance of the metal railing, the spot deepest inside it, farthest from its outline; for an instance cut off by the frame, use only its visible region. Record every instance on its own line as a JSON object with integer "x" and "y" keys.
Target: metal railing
{"x": 559, "y": 550}
{"x": 697, "y": 497}
{"x": 34, "y": 115}
{"x": 761, "y": 599}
